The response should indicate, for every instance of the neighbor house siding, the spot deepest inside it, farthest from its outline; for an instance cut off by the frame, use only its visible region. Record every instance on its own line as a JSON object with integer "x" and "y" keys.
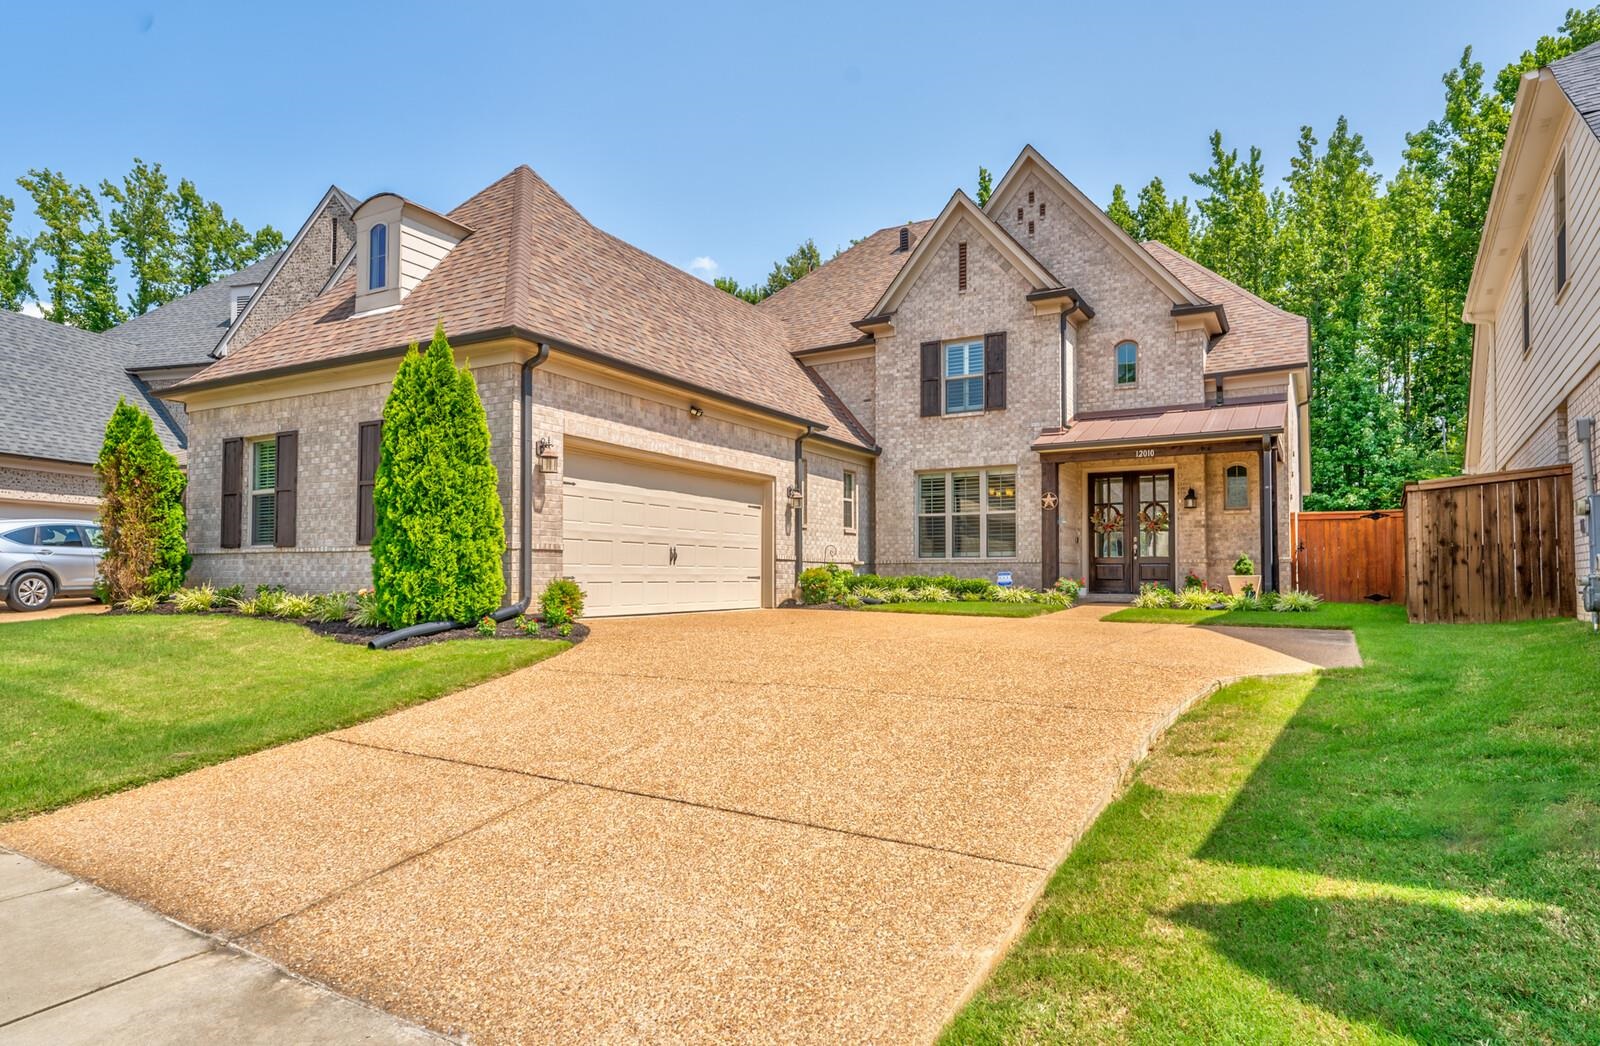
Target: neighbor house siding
{"x": 1528, "y": 389}
{"x": 36, "y": 488}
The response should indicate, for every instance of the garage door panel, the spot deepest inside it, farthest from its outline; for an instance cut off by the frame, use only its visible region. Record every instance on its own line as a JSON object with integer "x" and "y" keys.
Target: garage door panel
{"x": 622, "y": 519}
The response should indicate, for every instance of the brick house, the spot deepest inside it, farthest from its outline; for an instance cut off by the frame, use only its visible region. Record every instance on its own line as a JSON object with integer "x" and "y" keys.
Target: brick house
{"x": 1013, "y": 388}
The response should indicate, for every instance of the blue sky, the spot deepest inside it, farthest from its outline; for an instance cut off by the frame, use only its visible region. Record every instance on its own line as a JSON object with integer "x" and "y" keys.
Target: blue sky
{"x": 714, "y": 131}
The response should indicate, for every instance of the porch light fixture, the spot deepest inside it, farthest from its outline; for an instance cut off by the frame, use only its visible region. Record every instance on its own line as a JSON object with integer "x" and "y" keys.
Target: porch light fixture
{"x": 549, "y": 460}
{"x": 1189, "y": 499}
{"x": 696, "y": 412}
{"x": 794, "y": 494}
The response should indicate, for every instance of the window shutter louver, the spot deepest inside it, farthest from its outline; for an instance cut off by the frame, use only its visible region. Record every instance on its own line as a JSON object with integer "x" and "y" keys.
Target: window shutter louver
{"x": 232, "y": 492}
{"x": 369, "y": 439}
{"x": 288, "y": 465}
{"x": 930, "y": 379}
{"x": 994, "y": 367}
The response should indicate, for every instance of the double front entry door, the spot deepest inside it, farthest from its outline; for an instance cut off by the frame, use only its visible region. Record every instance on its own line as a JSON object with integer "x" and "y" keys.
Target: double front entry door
{"x": 1130, "y": 530}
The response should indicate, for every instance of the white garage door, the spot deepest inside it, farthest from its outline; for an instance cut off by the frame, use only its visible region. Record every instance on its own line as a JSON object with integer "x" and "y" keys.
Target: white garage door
{"x": 644, "y": 539}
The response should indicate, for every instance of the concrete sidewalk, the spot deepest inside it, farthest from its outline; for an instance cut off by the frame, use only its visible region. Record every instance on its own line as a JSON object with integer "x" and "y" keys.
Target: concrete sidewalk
{"x": 79, "y": 965}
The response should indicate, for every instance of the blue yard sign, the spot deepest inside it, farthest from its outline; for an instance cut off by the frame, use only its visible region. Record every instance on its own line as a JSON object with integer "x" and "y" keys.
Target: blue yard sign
{"x": 1003, "y": 579}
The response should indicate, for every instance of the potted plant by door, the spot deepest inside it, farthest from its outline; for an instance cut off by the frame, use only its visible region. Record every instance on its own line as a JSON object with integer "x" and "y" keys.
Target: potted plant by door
{"x": 1244, "y": 577}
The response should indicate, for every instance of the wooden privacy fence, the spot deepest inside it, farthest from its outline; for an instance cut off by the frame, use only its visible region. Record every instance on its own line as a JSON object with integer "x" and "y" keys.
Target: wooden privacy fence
{"x": 1351, "y": 557}
{"x": 1491, "y": 547}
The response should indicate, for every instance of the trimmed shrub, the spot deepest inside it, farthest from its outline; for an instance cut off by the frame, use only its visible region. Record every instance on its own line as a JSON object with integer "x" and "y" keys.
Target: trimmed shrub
{"x": 819, "y": 585}
{"x": 562, "y": 602}
{"x": 1244, "y": 565}
{"x": 439, "y": 534}
{"x": 141, "y": 516}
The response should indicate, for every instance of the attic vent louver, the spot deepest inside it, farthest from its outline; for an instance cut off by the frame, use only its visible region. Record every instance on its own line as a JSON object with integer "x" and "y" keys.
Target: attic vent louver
{"x": 905, "y": 238}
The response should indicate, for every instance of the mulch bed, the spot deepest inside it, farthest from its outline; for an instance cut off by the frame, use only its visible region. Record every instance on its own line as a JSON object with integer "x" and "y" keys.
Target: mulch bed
{"x": 345, "y": 632}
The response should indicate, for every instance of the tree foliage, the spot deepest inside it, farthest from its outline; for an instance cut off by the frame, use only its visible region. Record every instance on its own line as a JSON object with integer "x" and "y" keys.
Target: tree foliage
{"x": 16, "y": 260}
{"x": 141, "y": 514}
{"x": 76, "y": 246}
{"x": 985, "y": 185}
{"x": 802, "y": 260}
{"x": 440, "y": 535}
{"x": 1380, "y": 268}
{"x": 142, "y": 221}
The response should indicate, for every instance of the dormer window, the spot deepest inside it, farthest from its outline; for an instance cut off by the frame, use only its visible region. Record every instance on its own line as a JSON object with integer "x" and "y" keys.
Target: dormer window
{"x": 378, "y": 257}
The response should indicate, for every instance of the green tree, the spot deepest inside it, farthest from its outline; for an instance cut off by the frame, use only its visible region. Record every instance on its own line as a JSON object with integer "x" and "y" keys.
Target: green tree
{"x": 1120, "y": 212}
{"x": 141, "y": 514}
{"x": 1238, "y": 221}
{"x": 1161, "y": 219}
{"x": 751, "y": 294}
{"x": 1579, "y": 29}
{"x": 76, "y": 245}
{"x": 210, "y": 244}
{"x": 142, "y": 221}
{"x": 802, "y": 260}
{"x": 985, "y": 185}
{"x": 16, "y": 260}
{"x": 439, "y": 534}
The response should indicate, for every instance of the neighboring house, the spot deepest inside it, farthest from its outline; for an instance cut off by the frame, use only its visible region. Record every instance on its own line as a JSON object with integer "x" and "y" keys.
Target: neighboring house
{"x": 1020, "y": 389}
{"x": 1534, "y": 300}
{"x": 61, "y": 385}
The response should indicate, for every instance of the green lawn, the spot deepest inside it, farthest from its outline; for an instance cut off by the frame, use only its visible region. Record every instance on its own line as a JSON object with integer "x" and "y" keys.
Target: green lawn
{"x": 1404, "y": 852}
{"x": 97, "y": 703}
{"x": 982, "y": 608}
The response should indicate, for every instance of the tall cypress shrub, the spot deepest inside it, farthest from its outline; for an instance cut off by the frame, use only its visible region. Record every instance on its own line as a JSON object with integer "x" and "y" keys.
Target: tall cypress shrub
{"x": 141, "y": 516}
{"x": 440, "y": 535}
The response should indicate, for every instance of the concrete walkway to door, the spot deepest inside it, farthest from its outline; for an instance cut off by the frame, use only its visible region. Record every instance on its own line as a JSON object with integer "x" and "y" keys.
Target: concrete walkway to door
{"x": 761, "y": 826}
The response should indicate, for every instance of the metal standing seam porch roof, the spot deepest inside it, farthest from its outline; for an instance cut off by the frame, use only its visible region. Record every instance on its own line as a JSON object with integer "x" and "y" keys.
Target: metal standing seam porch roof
{"x": 1231, "y": 421}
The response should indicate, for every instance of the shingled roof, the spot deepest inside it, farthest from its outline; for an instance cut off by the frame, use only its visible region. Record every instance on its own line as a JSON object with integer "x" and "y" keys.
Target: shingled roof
{"x": 819, "y": 307}
{"x": 532, "y": 265}
{"x": 61, "y": 386}
{"x": 185, "y": 330}
{"x": 1578, "y": 74}
{"x": 1260, "y": 335}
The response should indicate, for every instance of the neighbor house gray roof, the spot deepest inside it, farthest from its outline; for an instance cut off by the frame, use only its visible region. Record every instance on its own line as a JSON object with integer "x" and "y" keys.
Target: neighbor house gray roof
{"x": 61, "y": 386}
{"x": 185, "y": 330}
{"x": 1579, "y": 77}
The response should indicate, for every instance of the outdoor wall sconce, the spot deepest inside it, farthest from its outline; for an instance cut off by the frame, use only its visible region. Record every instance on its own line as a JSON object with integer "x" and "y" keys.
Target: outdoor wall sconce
{"x": 795, "y": 495}
{"x": 1189, "y": 499}
{"x": 549, "y": 461}
{"x": 696, "y": 412}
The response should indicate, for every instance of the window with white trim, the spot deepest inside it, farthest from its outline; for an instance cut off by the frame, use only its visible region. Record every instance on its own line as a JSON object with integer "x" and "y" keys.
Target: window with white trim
{"x": 968, "y": 514}
{"x": 1237, "y": 494}
{"x": 849, "y": 500}
{"x": 963, "y": 377}
{"x": 264, "y": 492}
{"x": 378, "y": 257}
{"x": 1127, "y": 363}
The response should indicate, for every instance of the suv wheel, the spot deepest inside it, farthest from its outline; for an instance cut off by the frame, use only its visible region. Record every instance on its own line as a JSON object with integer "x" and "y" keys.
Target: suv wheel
{"x": 30, "y": 592}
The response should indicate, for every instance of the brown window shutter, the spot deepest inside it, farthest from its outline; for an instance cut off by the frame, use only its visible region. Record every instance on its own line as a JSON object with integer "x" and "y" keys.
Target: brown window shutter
{"x": 930, "y": 379}
{"x": 288, "y": 465}
{"x": 232, "y": 492}
{"x": 369, "y": 438}
{"x": 994, "y": 371}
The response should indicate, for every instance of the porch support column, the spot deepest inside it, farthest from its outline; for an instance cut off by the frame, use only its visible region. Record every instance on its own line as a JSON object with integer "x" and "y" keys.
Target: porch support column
{"x": 1049, "y": 522}
{"x": 1269, "y": 518}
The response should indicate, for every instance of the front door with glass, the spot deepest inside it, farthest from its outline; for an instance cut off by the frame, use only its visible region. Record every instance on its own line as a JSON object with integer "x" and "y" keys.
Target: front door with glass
{"x": 1130, "y": 530}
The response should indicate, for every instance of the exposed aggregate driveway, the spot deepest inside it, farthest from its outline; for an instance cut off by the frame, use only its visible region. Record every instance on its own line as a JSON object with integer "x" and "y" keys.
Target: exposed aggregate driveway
{"x": 771, "y": 826}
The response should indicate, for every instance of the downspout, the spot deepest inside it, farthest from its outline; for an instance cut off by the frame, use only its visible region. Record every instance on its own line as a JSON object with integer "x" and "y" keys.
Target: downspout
{"x": 524, "y": 527}
{"x": 1063, "y": 370}
{"x": 800, "y": 506}
{"x": 1269, "y": 517}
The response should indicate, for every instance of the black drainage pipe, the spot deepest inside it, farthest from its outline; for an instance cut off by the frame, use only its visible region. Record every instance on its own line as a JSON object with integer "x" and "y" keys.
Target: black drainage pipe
{"x": 524, "y": 528}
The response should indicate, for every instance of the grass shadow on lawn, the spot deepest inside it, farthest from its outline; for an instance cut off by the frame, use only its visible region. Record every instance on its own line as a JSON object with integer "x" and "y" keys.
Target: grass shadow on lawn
{"x": 1406, "y": 851}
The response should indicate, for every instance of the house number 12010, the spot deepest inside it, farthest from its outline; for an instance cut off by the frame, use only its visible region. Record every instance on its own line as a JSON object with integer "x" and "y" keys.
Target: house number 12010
{"x": 1150, "y": 453}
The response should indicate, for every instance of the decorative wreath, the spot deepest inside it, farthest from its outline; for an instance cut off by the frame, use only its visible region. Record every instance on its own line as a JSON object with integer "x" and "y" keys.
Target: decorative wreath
{"x": 1153, "y": 518}
{"x": 1107, "y": 519}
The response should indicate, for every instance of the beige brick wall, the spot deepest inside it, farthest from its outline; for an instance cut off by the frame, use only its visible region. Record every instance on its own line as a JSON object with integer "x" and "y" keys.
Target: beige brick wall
{"x": 935, "y": 310}
{"x": 326, "y": 557}
{"x": 1128, "y": 306}
{"x": 329, "y": 235}
{"x": 855, "y": 382}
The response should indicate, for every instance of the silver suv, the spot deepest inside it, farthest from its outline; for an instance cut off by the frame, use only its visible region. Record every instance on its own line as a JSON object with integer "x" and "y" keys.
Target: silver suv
{"x": 41, "y": 559}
